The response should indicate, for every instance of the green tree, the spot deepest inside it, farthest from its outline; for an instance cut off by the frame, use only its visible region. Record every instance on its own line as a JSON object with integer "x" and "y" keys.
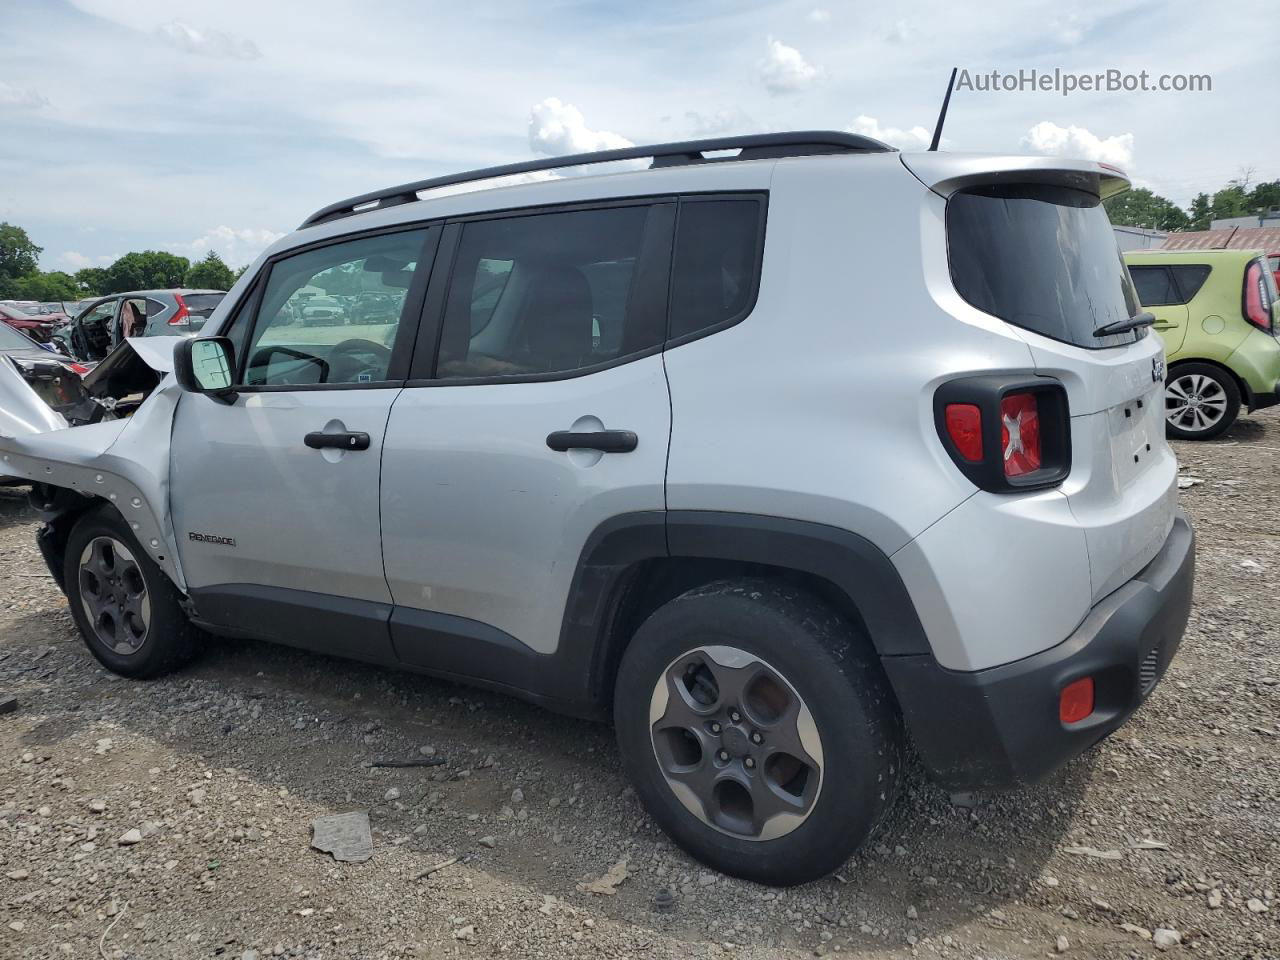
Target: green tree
{"x": 1200, "y": 212}
{"x": 91, "y": 281}
{"x": 211, "y": 273}
{"x": 55, "y": 285}
{"x": 1264, "y": 197}
{"x": 148, "y": 270}
{"x": 19, "y": 257}
{"x": 1230, "y": 201}
{"x": 1142, "y": 208}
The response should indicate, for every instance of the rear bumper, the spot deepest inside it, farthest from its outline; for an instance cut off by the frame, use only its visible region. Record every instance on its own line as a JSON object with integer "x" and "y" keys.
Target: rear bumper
{"x": 999, "y": 728}
{"x": 1260, "y": 401}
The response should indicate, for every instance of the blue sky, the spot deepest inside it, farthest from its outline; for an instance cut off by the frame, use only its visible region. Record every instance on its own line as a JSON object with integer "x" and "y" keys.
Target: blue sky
{"x": 188, "y": 126}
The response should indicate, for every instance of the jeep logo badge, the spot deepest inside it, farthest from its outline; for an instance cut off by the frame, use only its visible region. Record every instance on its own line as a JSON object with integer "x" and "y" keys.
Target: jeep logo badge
{"x": 1157, "y": 369}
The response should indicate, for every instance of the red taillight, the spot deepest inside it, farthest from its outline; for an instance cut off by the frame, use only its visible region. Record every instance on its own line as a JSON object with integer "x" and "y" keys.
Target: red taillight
{"x": 1256, "y": 308}
{"x": 1076, "y": 700}
{"x": 1020, "y": 433}
{"x": 78, "y": 368}
{"x": 964, "y": 426}
{"x": 182, "y": 317}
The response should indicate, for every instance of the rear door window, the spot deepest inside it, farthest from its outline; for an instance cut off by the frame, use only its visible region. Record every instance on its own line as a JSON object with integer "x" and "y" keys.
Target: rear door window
{"x": 1155, "y": 286}
{"x": 555, "y": 293}
{"x": 1043, "y": 258}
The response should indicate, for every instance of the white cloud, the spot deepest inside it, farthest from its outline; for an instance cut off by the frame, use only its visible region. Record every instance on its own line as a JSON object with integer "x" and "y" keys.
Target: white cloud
{"x": 1069, "y": 28}
{"x": 916, "y": 138}
{"x": 1048, "y": 138}
{"x": 900, "y": 31}
{"x": 236, "y": 247}
{"x": 718, "y": 122}
{"x": 818, "y": 15}
{"x": 74, "y": 260}
{"x": 205, "y": 42}
{"x": 785, "y": 70}
{"x": 11, "y": 96}
{"x": 557, "y": 128}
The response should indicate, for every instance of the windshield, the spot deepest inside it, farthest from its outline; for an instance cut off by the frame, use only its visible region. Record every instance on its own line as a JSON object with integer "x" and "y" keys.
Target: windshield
{"x": 11, "y": 339}
{"x": 1043, "y": 258}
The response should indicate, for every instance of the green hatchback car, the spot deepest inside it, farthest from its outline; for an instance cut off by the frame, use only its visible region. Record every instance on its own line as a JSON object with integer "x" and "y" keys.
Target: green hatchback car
{"x": 1219, "y": 315}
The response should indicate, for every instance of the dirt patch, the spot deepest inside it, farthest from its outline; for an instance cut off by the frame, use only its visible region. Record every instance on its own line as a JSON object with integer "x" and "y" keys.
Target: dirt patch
{"x": 173, "y": 818}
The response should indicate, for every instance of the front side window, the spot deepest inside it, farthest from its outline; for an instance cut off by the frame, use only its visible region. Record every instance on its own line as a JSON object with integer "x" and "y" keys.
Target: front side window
{"x": 330, "y": 316}
{"x": 1043, "y": 258}
{"x": 548, "y": 293}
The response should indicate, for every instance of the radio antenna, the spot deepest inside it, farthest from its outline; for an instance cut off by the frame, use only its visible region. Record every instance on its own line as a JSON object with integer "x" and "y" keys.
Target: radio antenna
{"x": 942, "y": 114}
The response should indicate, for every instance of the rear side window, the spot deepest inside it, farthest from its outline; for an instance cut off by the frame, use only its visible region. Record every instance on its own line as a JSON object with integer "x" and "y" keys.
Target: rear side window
{"x": 554, "y": 293}
{"x": 717, "y": 261}
{"x": 1155, "y": 286}
{"x": 1043, "y": 258}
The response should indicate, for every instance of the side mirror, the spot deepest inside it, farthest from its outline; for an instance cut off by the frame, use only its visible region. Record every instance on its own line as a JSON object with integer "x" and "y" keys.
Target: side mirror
{"x": 206, "y": 365}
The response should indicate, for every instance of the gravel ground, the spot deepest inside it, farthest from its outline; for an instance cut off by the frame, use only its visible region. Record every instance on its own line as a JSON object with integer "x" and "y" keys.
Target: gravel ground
{"x": 173, "y": 818}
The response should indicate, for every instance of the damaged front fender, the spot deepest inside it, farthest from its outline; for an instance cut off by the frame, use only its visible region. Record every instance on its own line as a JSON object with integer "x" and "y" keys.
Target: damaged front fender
{"x": 122, "y": 462}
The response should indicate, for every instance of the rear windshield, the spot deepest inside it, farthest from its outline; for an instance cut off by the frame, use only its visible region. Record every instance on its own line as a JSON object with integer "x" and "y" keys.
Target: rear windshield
{"x": 1043, "y": 258}
{"x": 202, "y": 304}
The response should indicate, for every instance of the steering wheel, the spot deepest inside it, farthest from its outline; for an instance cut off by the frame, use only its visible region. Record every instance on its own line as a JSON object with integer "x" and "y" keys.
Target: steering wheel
{"x": 350, "y": 358}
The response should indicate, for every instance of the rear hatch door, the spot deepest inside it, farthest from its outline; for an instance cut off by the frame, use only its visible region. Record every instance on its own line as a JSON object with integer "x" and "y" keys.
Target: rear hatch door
{"x": 1035, "y": 248}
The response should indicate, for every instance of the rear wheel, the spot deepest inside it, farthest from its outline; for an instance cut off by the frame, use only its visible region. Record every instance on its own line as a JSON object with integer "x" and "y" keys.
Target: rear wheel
{"x": 127, "y": 610}
{"x": 758, "y": 730}
{"x": 1201, "y": 401}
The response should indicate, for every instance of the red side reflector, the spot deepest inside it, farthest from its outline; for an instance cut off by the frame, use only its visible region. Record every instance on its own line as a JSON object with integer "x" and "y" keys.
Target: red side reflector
{"x": 1020, "y": 433}
{"x": 1076, "y": 701}
{"x": 964, "y": 426}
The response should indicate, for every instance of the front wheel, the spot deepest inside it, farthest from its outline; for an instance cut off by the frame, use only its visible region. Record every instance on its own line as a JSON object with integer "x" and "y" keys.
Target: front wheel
{"x": 1201, "y": 401}
{"x": 758, "y": 729}
{"x": 129, "y": 614}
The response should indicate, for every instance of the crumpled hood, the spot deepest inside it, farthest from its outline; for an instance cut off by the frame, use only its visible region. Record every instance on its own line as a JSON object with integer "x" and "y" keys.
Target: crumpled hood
{"x": 125, "y": 462}
{"x": 22, "y": 412}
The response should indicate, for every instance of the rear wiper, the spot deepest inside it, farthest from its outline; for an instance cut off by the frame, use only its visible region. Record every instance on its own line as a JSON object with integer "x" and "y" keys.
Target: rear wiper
{"x": 1144, "y": 319}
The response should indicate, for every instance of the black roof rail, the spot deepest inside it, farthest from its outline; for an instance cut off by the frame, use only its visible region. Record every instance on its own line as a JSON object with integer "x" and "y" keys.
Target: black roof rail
{"x": 752, "y": 147}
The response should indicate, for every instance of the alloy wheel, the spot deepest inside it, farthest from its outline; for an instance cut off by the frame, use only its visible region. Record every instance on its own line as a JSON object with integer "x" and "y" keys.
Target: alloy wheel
{"x": 736, "y": 743}
{"x": 1194, "y": 402}
{"x": 114, "y": 595}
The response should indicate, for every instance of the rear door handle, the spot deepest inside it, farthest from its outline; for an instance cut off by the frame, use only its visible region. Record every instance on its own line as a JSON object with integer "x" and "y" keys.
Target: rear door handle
{"x": 606, "y": 441}
{"x": 337, "y": 441}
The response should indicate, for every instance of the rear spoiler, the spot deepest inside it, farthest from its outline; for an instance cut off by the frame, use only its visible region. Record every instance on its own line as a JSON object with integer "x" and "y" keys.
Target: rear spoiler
{"x": 945, "y": 173}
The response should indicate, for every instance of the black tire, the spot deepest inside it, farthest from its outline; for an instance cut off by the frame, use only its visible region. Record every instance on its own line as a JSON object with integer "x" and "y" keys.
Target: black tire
{"x": 1216, "y": 390}
{"x": 169, "y": 639}
{"x": 837, "y": 678}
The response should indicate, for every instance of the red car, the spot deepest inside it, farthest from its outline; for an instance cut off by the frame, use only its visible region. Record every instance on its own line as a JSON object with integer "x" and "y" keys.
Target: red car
{"x": 36, "y": 327}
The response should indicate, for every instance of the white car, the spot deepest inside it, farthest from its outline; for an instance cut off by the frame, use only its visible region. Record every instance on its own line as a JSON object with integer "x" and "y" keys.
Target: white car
{"x": 773, "y": 457}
